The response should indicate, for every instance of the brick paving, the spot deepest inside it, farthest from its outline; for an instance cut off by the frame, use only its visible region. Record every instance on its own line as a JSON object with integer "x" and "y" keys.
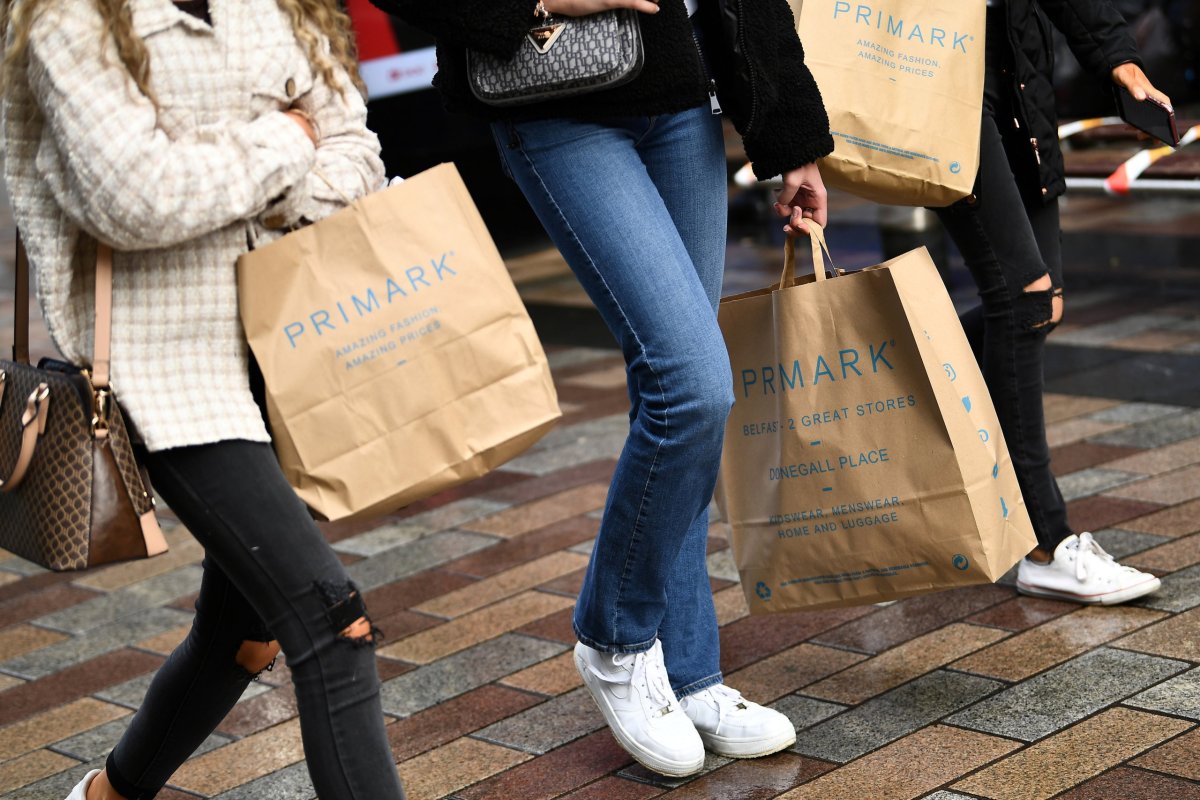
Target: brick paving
{"x": 974, "y": 693}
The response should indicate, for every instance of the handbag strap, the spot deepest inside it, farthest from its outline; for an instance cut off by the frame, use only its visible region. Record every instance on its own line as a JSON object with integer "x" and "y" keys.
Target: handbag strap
{"x": 103, "y": 303}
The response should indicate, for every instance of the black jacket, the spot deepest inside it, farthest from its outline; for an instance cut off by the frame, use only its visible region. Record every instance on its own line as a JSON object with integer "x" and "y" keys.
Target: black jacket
{"x": 756, "y": 58}
{"x": 1099, "y": 38}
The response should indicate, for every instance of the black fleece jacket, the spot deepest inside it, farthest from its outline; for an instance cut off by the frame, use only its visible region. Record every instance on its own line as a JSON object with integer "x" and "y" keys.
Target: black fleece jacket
{"x": 1101, "y": 40}
{"x": 762, "y": 81}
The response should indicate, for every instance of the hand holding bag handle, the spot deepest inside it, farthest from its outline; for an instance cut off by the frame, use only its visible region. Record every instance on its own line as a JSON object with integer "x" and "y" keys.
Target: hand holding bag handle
{"x": 817, "y": 239}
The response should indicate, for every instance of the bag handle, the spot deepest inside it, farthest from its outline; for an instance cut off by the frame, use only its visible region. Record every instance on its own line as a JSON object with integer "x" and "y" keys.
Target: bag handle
{"x": 33, "y": 425}
{"x": 102, "y": 332}
{"x": 820, "y": 249}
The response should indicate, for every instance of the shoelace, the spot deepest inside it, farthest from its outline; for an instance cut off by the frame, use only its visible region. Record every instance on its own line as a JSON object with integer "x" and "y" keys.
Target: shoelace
{"x": 1088, "y": 545}
{"x": 727, "y": 701}
{"x": 648, "y": 673}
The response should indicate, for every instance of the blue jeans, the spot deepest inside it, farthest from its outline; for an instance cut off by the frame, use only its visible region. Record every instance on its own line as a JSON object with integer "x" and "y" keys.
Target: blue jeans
{"x": 637, "y": 206}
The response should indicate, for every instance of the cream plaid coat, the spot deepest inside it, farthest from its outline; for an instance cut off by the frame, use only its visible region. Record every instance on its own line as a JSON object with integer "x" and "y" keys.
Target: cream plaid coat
{"x": 179, "y": 192}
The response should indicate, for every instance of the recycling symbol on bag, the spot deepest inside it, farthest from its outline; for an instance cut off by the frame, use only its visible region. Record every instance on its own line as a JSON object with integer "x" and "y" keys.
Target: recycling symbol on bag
{"x": 762, "y": 590}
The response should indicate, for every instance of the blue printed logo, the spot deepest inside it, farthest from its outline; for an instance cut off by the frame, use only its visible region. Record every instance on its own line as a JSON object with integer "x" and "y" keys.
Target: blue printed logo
{"x": 907, "y": 30}
{"x": 950, "y": 373}
{"x": 763, "y": 591}
{"x": 955, "y": 168}
{"x": 961, "y": 562}
{"x": 1004, "y": 507}
{"x": 996, "y": 470}
{"x": 967, "y": 404}
{"x": 984, "y": 436}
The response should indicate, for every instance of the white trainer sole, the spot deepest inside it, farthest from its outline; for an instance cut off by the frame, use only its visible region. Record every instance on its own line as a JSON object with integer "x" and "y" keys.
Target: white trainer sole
{"x": 746, "y": 748}
{"x": 647, "y": 758}
{"x": 1109, "y": 599}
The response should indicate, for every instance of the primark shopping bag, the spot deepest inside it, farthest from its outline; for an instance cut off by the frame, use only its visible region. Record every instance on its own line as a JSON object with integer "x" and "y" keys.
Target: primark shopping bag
{"x": 902, "y": 81}
{"x": 863, "y": 459}
{"x": 398, "y": 358}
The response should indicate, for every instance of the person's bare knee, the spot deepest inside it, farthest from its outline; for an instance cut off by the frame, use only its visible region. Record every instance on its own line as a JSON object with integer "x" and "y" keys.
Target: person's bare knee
{"x": 256, "y": 657}
{"x": 347, "y": 613}
{"x": 1041, "y": 305}
{"x": 359, "y": 630}
{"x": 1042, "y": 284}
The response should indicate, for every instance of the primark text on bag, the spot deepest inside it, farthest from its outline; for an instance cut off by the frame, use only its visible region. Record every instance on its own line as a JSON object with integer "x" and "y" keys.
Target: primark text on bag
{"x": 863, "y": 458}
{"x": 902, "y": 81}
{"x": 398, "y": 358}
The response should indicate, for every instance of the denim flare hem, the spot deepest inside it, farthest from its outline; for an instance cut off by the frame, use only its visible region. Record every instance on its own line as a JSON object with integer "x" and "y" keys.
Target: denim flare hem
{"x": 699, "y": 686}
{"x": 640, "y": 647}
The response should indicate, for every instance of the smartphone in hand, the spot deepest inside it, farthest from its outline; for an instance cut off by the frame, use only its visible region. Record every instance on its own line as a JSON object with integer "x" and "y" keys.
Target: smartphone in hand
{"x": 1147, "y": 116}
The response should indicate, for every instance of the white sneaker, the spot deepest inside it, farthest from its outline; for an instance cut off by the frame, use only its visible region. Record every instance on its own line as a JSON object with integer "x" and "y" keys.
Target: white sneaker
{"x": 1081, "y": 571}
{"x": 80, "y": 790}
{"x": 732, "y": 726}
{"x": 634, "y": 695}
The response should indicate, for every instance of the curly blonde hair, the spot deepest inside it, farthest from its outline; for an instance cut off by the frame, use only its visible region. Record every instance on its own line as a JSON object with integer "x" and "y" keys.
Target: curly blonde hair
{"x": 311, "y": 20}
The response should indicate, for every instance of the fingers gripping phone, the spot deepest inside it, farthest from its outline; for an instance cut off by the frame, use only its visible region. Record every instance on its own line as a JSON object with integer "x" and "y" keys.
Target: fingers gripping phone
{"x": 1148, "y": 116}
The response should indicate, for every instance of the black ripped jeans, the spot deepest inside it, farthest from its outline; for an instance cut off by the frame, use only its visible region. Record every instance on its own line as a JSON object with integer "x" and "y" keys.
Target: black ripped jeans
{"x": 268, "y": 574}
{"x": 1010, "y": 238}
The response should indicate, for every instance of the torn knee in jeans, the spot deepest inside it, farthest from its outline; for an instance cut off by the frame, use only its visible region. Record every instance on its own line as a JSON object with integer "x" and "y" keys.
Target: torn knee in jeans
{"x": 347, "y": 613}
{"x": 257, "y": 657}
{"x": 1039, "y": 306}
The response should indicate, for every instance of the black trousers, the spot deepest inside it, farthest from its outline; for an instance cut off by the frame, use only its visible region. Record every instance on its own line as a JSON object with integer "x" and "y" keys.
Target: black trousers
{"x": 268, "y": 574}
{"x": 1009, "y": 239}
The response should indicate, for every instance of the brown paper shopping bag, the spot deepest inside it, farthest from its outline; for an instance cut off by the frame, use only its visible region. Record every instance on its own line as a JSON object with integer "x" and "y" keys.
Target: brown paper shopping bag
{"x": 863, "y": 459}
{"x": 902, "y": 81}
{"x": 398, "y": 358}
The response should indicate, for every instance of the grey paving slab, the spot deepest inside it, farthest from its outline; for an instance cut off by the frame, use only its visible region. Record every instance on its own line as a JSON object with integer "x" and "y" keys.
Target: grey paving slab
{"x": 132, "y": 692}
{"x": 97, "y": 742}
{"x": 721, "y": 565}
{"x": 96, "y": 642}
{"x": 579, "y": 355}
{"x": 584, "y": 548}
{"x": 1093, "y": 335}
{"x": 567, "y": 447}
{"x": 289, "y": 783}
{"x": 1066, "y": 694}
{"x": 547, "y": 726}
{"x": 945, "y": 795}
{"x": 414, "y": 557}
{"x": 892, "y": 715}
{"x": 1118, "y": 542}
{"x": 1156, "y": 433}
{"x": 56, "y": 786}
{"x": 451, "y": 515}
{"x": 1137, "y": 412}
{"x": 1180, "y": 591}
{"x": 804, "y": 712}
{"x": 1179, "y": 696}
{"x": 1087, "y": 482}
{"x": 449, "y": 677}
{"x": 22, "y": 567}
{"x": 156, "y": 591}
{"x": 1184, "y": 324}
{"x": 638, "y": 773}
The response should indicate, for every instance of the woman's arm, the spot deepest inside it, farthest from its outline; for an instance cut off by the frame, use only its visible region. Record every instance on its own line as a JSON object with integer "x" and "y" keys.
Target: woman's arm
{"x": 493, "y": 26}
{"x": 1097, "y": 33}
{"x": 347, "y": 163}
{"x": 117, "y": 175}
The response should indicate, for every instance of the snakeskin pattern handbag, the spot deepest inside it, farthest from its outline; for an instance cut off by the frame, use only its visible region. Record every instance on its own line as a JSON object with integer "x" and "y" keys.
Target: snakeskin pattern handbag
{"x": 561, "y": 57}
{"x": 72, "y": 495}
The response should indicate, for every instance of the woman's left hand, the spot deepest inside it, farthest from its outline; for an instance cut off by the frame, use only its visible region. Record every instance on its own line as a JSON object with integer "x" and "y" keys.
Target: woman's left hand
{"x": 1131, "y": 77}
{"x": 803, "y": 197}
